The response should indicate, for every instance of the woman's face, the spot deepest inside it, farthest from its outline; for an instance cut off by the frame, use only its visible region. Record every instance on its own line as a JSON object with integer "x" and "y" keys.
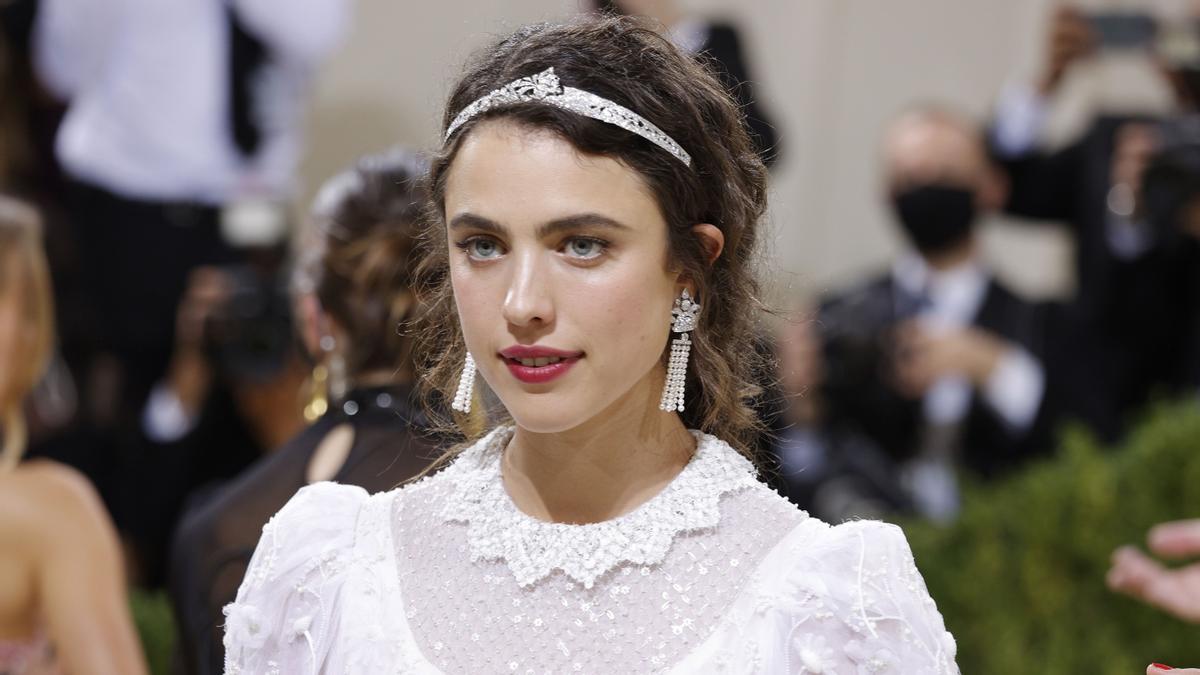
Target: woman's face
{"x": 559, "y": 267}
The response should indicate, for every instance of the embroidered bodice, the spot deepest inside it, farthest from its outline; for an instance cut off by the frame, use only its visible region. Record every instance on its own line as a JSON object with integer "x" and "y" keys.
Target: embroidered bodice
{"x": 716, "y": 573}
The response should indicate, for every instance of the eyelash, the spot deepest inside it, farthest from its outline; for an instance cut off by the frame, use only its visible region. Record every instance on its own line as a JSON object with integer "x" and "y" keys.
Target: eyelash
{"x": 465, "y": 246}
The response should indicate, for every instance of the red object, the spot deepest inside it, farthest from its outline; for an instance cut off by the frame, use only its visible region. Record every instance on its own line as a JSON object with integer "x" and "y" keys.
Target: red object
{"x": 538, "y": 374}
{"x": 1161, "y": 666}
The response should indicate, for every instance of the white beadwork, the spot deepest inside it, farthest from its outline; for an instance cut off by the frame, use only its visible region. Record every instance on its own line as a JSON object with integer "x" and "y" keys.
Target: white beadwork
{"x": 683, "y": 321}
{"x": 384, "y": 584}
{"x": 544, "y": 87}
{"x": 532, "y": 549}
{"x": 466, "y": 386}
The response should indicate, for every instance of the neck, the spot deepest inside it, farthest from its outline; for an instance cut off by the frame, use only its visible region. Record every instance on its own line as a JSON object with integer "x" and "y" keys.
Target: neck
{"x": 951, "y": 258}
{"x": 603, "y": 468}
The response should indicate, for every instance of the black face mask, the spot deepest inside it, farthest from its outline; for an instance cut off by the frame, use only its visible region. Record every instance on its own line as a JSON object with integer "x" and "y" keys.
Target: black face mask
{"x": 935, "y": 217}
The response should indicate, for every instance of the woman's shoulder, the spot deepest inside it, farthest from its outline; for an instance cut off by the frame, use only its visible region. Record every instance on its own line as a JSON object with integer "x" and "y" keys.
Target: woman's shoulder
{"x": 291, "y": 600}
{"x": 846, "y": 552}
{"x": 42, "y": 498}
{"x": 859, "y": 578}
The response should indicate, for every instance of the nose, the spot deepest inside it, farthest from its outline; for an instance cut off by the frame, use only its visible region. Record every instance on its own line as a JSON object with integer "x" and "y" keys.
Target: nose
{"x": 528, "y": 302}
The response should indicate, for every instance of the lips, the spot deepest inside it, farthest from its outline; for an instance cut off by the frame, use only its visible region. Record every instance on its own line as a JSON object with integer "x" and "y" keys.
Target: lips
{"x": 535, "y": 365}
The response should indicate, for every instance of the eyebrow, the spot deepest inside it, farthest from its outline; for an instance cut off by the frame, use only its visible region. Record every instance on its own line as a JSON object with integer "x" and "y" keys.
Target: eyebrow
{"x": 556, "y": 226}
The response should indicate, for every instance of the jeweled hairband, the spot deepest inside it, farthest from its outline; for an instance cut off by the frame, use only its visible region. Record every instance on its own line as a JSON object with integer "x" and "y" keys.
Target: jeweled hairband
{"x": 544, "y": 87}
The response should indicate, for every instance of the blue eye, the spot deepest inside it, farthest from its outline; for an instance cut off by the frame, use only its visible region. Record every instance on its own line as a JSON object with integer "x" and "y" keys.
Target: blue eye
{"x": 585, "y": 248}
{"x": 480, "y": 248}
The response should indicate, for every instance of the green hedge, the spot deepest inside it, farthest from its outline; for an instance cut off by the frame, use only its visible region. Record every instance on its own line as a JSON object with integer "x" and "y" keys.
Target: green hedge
{"x": 1019, "y": 577}
{"x": 156, "y": 625}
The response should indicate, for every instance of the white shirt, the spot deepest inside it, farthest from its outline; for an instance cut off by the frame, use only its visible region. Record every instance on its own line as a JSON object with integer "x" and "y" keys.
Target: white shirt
{"x": 1016, "y": 386}
{"x": 147, "y": 85}
{"x": 715, "y": 574}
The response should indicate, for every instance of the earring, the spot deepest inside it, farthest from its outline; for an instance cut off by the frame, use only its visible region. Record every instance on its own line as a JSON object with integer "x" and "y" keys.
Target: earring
{"x": 328, "y": 380}
{"x": 684, "y": 321}
{"x": 318, "y": 401}
{"x": 466, "y": 386}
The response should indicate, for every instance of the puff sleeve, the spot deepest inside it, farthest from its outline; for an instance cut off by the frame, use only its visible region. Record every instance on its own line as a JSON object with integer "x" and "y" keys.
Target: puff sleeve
{"x": 852, "y": 601}
{"x": 285, "y": 617}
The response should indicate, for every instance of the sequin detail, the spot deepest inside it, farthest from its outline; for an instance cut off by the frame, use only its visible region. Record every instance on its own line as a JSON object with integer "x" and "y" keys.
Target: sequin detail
{"x": 533, "y": 549}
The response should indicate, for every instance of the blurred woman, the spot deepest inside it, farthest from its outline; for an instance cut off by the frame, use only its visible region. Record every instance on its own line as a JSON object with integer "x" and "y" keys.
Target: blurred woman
{"x": 352, "y": 292}
{"x": 63, "y": 607}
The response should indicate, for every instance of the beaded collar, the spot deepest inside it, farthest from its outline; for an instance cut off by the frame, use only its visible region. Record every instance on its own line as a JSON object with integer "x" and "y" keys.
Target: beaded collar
{"x": 533, "y": 549}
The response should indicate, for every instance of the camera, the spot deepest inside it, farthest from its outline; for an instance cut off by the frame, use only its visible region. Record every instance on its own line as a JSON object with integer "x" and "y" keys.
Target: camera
{"x": 1171, "y": 182}
{"x": 249, "y": 335}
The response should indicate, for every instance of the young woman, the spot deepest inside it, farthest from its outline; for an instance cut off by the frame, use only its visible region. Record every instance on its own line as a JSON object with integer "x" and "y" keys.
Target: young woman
{"x": 594, "y": 211}
{"x": 63, "y": 607}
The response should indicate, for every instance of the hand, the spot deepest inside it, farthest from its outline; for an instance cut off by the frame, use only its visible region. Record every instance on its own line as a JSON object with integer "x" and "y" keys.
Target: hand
{"x": 1159, "y": 669}
{"x": 1070, "y": 40}
{"x": 188, "y": 373}
{"x": 207, "y": 288}
{"x": 1135, "y": 145}
{"x": 924, "y": 356}
{"x": 1176, "y": 591}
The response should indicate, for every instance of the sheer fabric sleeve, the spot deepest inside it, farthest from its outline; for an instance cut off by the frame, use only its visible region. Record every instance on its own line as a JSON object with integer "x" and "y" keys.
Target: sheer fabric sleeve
{"x": 284, "y": 619}
{"x": 856, "y": 603}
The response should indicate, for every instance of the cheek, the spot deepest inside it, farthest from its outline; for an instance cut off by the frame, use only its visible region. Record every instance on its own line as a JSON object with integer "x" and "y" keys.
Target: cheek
{"x": 632, "y": 312}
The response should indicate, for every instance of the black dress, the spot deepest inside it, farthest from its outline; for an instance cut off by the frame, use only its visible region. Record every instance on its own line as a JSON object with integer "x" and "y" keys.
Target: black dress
{"x": 217, "y": 537}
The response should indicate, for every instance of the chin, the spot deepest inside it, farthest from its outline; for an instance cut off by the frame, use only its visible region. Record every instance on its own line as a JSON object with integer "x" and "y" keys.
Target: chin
{"x": 542, "y": 417}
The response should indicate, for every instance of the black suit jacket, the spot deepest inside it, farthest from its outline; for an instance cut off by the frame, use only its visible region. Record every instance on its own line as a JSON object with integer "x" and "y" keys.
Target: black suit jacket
{"x": 1130, "y": 330}
{"x": 723, "y": 50}
{"x": 862, "y": 402}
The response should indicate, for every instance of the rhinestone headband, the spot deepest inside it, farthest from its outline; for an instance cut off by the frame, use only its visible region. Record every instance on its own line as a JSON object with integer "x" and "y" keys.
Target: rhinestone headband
{"x": 544, "y": 87}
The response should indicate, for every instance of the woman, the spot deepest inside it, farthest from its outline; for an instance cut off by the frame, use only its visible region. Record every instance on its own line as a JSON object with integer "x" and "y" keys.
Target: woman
{"x": 352, "y": 288}
{"x": 63, "y": 607}
{"x": 595, "y": 184}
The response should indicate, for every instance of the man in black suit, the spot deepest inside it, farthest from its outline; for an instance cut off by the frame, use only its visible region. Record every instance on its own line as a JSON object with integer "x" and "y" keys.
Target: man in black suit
{"x": 1131, "y": 330}
{"x": 931, "y": 367}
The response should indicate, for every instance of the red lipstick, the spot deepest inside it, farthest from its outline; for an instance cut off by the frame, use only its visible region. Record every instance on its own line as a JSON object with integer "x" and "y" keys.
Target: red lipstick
{"x": 538, "y": 374}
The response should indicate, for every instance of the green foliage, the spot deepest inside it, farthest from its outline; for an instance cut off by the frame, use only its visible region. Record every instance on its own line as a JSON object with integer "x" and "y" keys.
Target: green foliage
{"x": 1019, "y": 577}
{"x": 156, "y": 626}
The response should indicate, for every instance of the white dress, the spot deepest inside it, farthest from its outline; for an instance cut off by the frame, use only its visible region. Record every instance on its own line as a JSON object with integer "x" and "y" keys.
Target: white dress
{"x": 715, "y": 574}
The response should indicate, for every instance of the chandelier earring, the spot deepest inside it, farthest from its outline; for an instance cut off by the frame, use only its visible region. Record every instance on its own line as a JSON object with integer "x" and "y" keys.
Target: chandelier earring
{"x": 466, "y": 386}
{"x": 683, "y": 321}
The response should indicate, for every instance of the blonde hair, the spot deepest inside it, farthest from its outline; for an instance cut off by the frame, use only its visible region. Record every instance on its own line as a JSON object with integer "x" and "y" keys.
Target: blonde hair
{"x": 25, "y": 279}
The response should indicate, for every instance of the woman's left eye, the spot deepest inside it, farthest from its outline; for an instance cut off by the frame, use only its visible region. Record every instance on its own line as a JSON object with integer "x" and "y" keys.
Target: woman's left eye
{"x": 585, "y": 248}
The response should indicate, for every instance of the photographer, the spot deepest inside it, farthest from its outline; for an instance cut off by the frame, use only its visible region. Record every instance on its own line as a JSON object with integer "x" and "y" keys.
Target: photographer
{"x": 229, "y": 397}
{"x": 925, "y": 369}
{"x": 1127, "y": 190}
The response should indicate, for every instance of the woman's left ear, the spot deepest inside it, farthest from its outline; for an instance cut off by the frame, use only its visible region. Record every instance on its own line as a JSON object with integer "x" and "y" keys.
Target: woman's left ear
{"x": 711, "y": 238}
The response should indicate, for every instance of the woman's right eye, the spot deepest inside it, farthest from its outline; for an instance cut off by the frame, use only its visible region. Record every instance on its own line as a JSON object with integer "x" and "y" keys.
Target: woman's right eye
{"x": 480, "y": 248}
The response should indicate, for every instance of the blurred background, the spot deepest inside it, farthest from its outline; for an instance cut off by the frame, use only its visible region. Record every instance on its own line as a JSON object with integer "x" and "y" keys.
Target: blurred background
{"x": 982, "y": 242}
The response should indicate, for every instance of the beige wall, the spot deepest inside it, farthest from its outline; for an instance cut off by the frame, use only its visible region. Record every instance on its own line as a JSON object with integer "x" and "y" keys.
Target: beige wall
{"x": 832, "y": 72}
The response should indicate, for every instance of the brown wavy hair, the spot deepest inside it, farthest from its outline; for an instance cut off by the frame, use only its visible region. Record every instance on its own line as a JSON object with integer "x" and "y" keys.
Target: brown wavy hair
{"x": 622, "y": 60}
{"x": 361, "y": 266}
{"x": 24, "y": 279}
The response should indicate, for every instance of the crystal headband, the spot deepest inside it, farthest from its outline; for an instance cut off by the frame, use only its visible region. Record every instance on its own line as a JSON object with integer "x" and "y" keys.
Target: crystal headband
{"x": 544, "y": 87}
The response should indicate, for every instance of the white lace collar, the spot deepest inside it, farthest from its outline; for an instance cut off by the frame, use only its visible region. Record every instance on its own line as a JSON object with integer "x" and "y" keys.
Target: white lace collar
{"x": 532, "y": 549}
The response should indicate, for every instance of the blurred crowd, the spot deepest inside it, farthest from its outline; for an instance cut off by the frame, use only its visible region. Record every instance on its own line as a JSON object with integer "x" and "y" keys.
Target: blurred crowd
{"x": 202, "y": 352}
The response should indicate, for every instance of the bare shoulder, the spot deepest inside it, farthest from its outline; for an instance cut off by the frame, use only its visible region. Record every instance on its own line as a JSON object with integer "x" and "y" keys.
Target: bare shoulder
{"x": 44, "y": 500}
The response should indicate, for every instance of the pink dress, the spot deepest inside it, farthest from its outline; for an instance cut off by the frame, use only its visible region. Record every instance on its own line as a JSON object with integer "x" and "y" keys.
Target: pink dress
{"x": 34, "y": 656}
